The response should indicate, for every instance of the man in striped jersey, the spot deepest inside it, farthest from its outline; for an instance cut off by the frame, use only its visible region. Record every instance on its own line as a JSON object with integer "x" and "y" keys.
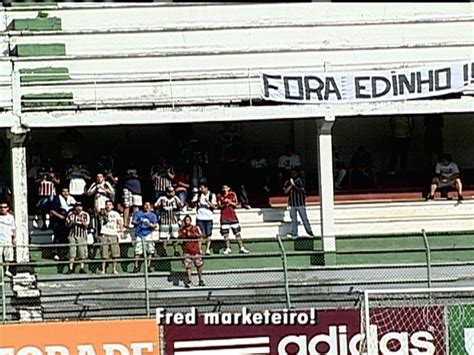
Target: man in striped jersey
{"x": 294, "y": 188}
{"x": 168, "y": 208}
{"x": 78, "y": 221}
{"x": 46, "y": 180}
{"x": 162, "y": 176}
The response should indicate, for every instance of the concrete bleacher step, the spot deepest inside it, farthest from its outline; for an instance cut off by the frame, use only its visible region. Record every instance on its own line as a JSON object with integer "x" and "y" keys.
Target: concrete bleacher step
{"x": 350, "y": 219}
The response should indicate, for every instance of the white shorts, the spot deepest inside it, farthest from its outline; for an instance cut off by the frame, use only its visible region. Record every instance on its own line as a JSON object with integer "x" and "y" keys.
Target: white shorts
{"x": 130, "y": 199}
{"x": 6, "y": 250}
{"x": 149, "y": 244}
{"x": 168, "y": 231}
{"x": 100, "y": 202}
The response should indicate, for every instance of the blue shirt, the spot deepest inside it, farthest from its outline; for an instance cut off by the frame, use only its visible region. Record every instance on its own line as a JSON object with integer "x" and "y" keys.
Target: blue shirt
{"x": 140, "y": 219}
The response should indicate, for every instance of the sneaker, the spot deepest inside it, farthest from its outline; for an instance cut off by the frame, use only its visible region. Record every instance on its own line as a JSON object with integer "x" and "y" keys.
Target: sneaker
{"x": 70, "y": 271}
{"x": 461, "y": 198}
{"x": 227, "y": 251}
{"x": 187, "y": 284}
{"x": 82, "y": 271}
{"x": 311, "y": 234}
{"x": 266, "y": 189}
{"x": 176, "y": 253}
{"x": 35, "y": 224}
{"x": 207, "y": 252}
{"x": 56, "y": 257}
{"x": 243, "y": 251}
{"x": 292, "y": 236}
{"x": 8, "y": 274}
{"x": 429, "y": 197}
{"x": 247, "y": 207}
{"x": 135, "y": 270}
{"x": 201, "y": 283}
{"x": 115, "y": 272}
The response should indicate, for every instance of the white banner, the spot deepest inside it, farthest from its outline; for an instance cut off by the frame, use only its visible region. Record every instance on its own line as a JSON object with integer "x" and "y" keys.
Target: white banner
{"x": 383, "y": 85}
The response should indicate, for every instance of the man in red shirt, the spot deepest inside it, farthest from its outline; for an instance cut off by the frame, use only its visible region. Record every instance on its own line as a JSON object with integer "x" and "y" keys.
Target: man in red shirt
{"x": 227, "y": 202}
{"x": 191, "y": 236}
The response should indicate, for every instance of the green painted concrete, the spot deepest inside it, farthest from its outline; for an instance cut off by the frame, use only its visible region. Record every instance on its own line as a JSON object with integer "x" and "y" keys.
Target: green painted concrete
{"x": 47, "y": 100}
{"x": 44, "y": 74}
{"x": 39, "y": 50}
{"x": 36, "y": 24}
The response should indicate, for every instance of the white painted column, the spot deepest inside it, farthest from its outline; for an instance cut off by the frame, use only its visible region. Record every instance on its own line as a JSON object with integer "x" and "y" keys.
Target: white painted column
{"x": 20, "y": 200}
{"x": 326, "y": 187}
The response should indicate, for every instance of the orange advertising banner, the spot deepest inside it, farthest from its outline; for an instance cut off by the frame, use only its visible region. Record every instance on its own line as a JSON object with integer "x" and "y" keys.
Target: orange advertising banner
{"x": 124, "y": 337}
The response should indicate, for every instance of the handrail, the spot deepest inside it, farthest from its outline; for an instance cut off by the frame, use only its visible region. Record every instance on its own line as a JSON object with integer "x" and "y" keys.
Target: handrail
{"x": 428, "y": 256}
{"x": 285, "y": 272}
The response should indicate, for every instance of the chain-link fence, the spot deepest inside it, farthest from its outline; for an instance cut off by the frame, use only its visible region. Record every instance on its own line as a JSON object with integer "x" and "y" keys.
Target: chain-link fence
{"x": 278, "y": 273}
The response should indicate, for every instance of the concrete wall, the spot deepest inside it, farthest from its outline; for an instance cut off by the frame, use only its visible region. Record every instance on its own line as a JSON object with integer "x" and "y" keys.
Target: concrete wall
{"x": 239, "y": 41}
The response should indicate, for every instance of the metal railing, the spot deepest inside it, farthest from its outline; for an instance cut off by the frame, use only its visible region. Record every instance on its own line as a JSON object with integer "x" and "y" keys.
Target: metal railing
{"x": 279, "y": 272}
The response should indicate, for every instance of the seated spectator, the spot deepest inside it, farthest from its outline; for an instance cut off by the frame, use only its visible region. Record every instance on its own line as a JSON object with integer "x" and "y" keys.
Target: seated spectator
{"x": 191, "y": 245}
{"x": 447, "y": 175}
{"x": 78, "y": 223}
{"x": 286, "y": 162}
{"x": 362, "y": 174}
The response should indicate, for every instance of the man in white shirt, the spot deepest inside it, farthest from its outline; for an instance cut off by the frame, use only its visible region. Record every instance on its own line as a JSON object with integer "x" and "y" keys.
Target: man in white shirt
{"x": 7, "y": 236}
{"x": 205, "y": 202}
{"x": 447, "y": 175}
{"x": 111, "y": 227}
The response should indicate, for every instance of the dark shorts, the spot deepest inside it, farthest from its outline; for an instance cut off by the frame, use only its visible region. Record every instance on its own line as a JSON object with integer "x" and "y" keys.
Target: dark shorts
{"x": 205, "y": 227}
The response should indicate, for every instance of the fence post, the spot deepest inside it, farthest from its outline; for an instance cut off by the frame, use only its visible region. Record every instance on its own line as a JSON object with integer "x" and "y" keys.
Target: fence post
{"x": 285, "y": 272}
{"x": 428, "y": 257}
{"x": 147, "y": 291}
{"x": 4, "y": 299}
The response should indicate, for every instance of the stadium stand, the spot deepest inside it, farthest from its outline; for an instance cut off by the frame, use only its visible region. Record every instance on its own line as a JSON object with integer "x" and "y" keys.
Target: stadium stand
{"x": 167, "y": 63}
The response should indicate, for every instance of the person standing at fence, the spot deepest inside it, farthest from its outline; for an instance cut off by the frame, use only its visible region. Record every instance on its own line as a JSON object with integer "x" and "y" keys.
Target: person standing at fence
{"x": 294, "y": 188}
{"x": 205, "y": 202}
{"x": 78, "y": 221}
{"x": 111, "y": 227}
{"x": 227, "y": 202}
{"x": 60, "y": 208}
{"x": 191, "y": 236}
{"x": 168, "y": 207}
{"x": 7, "y": 236}
{"x": 145, "y": 223}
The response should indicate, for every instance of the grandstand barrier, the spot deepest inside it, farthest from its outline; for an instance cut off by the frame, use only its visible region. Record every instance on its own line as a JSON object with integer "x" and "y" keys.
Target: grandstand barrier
{"x": 280, "y": 273}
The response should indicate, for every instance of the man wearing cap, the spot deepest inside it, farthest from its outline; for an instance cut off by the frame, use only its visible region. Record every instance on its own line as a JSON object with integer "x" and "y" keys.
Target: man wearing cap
{"x": 168, "y": 207}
